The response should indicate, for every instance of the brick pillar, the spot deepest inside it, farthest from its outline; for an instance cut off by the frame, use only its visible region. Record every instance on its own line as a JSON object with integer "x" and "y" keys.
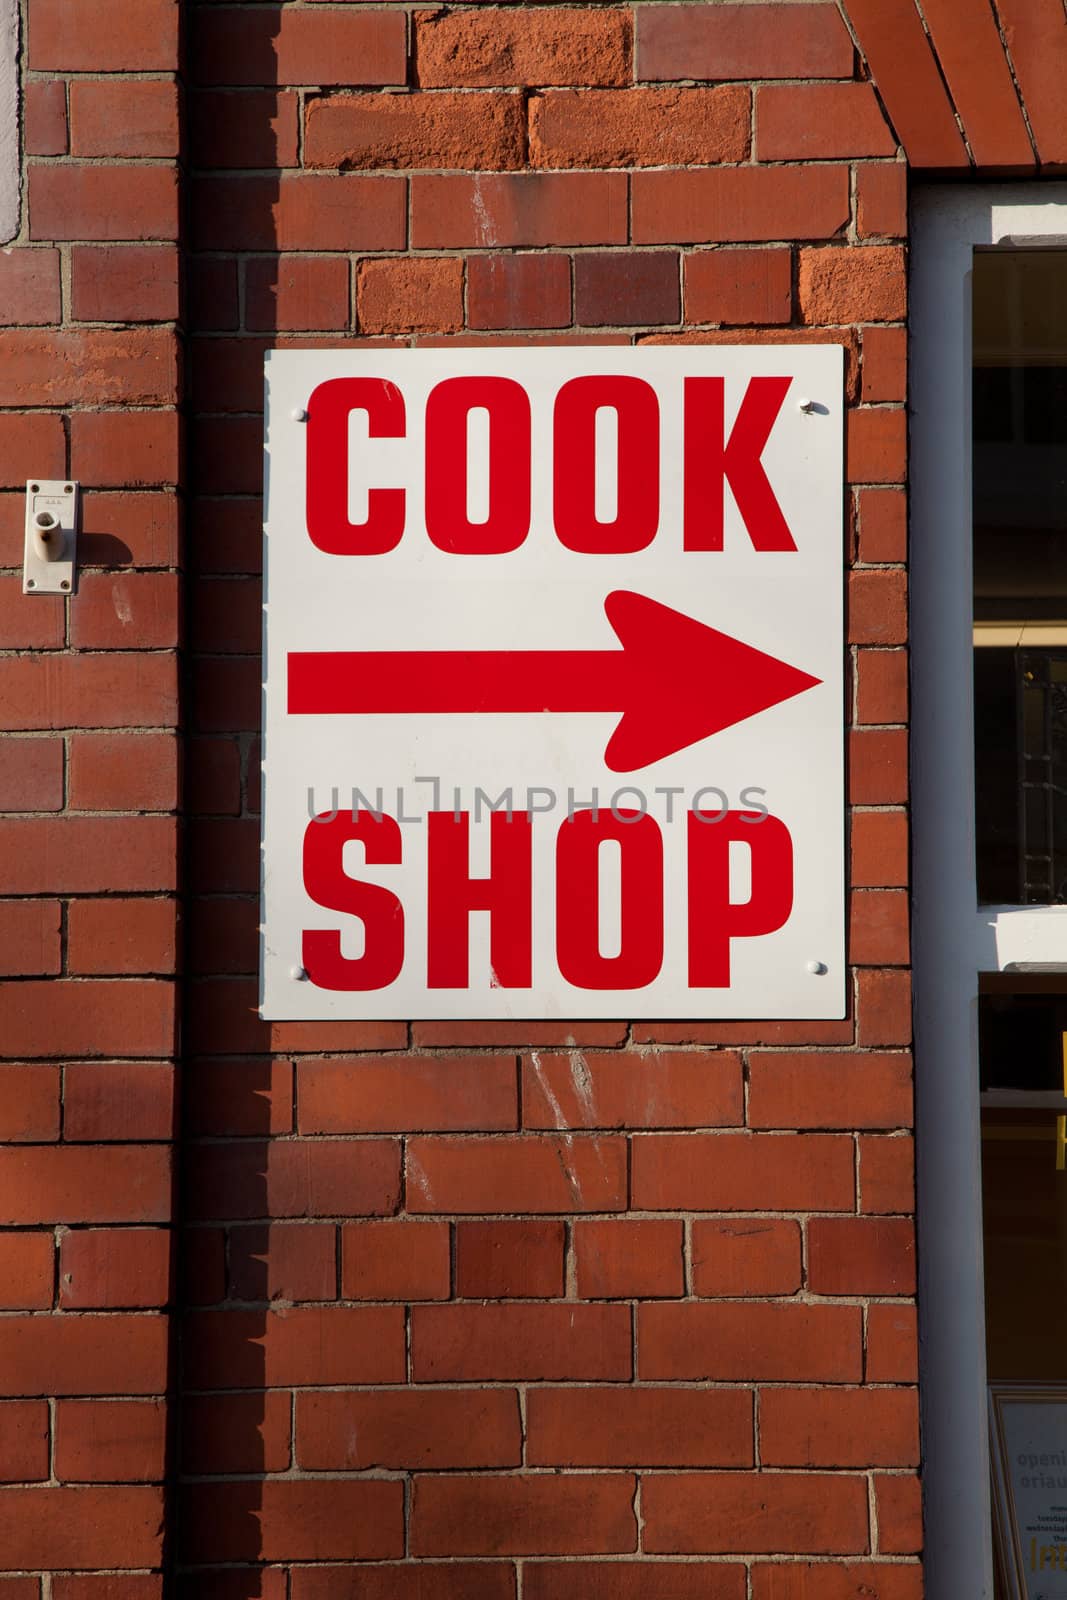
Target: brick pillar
{"x": 89, "y": 795}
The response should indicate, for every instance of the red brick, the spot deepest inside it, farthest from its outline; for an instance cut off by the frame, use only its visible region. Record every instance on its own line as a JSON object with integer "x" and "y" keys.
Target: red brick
{"x": 236, "y": 1432}
{"x": 839, "y": 1428}
{"x": 31, "y": 774}
{"x": 136, "y": 529}
{"x": 731, "y": 1343}
{"x": 120, "y": 449}
{"x": 531, "y": 291}
{"x": 904, "y": 66}
{"x": 24, "y": 1430}
{"x": 883, "y": 516}
{"x": 742, "y": 1172}
{"x": 823, "y": 1580}
{"x": 102, "y": 1354}
{"x": 306, "y": 1345}
{"x": 375, "y": 1094}
{"x": 638, "y": 127}
{"x": 819, "y": 122}
{"x": 44, "y": 118}
{"x": 658, "y": 1427}
{"x": 724, "y": 205}
{"x": 878, "y": 928}
{"x": 56, "y": 1018}
{"x": 238, "y": 1097}
{"x": 123, "y": 117}
{"x": 898, "y": 1508}
{"x": 732, "y": 41}
{"x": 36, "y": 438}
{"x": 738, "y": 286}
{"x": 638, "y": 288}
{"x": 29, "y": 937}
{"x": 634, "y": 1580}
{"x": 85, "y": 1527}
{"x": 123, "y": 771}
{"x": 892, "y": 1344}
{"x": 861, "y": 1255}
{"x": 29, "y": 287}
{"x": 794, "y": 1513}
{"x": 485, "y": 132}
{"x": 299, "y": 211}
{"x": 621, "y": 1259}
{"x": 410, "y": 296}
{"x": 293, "y": 1520}
{"x": 883, "y": 1007}
{"x": 110, "y": 1267}
{"x": 852, "y": 285}
{"x": 408, "y": 1430}
{"x": 395, "y": 1261}
{"x": 78, "y": 855}
{"x": 76, "y": 200}
{"x": 119, "y": 1100}
{"x": 49, "y": 1183}
{"x": 881, "y": 680}
{"x": 881, "y": 200}
{"x": 561, "y": 46}
{"x": 296, "y": 292}
{"x": 213, "y": 776}
{"x": 668, "y": 1090}
{"x": 284, "y": 1261}
{"x": 532, "y": 1174}
{"x": 887, "y": 1175}
{"x": 277, "y": 45}
{"x": 124, "y": 283}
{"x": 293, "y": 1178}
{"x": 878, "y": 599}
{"x": 586, "y": 1514}
{"x": 1033, "y": 32}
{"x": 250, "y": 128}
{"x": 885, "y": 364}
{"x": 450, "y": 1580}
{"x": 509, "y": 1260}
{"x": 110, "y": 1441}
{"x": 879, "y": 849}
{"x": 843, "y": 1090}
{"x": 133, "y": 36}
{"x": 29, "y": 1588}
{"x": 746, "y": 1256}
{"x": 29, "y": 1103}
{"x": 109, "y": 1586}
{"x": 529, "y": 209}
{"x": 37, "y": 624}
{"x": 26, "y": 1272}
{"x": 121, "y": 936}
{"x": 489, "y": 1343}
{"x": 498, "y": 1035}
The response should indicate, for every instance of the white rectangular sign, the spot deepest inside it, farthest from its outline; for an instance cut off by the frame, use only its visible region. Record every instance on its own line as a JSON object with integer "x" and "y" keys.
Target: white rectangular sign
{"x": 553, "y": 721}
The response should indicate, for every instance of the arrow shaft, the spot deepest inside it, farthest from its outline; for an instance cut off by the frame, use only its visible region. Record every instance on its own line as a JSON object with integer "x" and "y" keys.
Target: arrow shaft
{"x": 395, "y": 682}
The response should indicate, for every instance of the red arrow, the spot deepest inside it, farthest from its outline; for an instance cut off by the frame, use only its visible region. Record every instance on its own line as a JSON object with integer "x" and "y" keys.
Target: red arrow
{"x": 675, "y": 681}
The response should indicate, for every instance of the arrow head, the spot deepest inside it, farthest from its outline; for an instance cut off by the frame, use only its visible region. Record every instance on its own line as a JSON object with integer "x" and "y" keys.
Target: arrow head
{"x": 685, "y": 681}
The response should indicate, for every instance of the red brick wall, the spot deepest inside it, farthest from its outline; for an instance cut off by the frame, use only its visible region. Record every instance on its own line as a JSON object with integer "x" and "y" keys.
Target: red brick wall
{"x": 600, "y": 1309}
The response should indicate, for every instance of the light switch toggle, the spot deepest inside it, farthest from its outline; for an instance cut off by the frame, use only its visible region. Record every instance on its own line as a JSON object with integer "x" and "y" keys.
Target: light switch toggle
{"x": 50, "y": 549}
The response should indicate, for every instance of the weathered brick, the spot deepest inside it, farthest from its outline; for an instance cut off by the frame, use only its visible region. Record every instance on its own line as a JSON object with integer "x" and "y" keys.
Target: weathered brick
{"x": 532, "y": 1174}
{"x": 525, "y": 209}
{"x": 852, "y": 285}
{"x": 481, "y": 132}
{"x": 468, "y": 49}
{"x": 639, "y": 127}
{"x": 401, "y": 296}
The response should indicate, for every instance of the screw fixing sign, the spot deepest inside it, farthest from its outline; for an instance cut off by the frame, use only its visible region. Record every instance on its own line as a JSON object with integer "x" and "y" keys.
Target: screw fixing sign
{"x": 553, "y": 698}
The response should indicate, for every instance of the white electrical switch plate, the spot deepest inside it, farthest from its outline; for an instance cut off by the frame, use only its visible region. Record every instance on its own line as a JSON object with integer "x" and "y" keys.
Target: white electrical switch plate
{"x": 49, "y": 561}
